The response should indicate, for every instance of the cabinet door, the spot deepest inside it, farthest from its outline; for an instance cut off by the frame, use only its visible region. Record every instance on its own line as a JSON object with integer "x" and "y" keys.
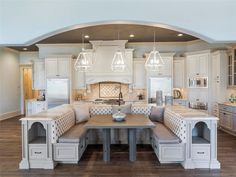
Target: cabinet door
{"x": 39, "y": 75}
{"x": 139, "y": 75}
{"x": 78, "y": 79}
{"x": 51, "y": 67}
{"x": 226, "y": 120}
{"x": 203, "y": 65}
{"x": 63, "y": 67}
{"x": 198, "y": 95}
{"x": 178, "y": 74}
{"x": 167, "y": 67}
{"x": 191, "y": 65}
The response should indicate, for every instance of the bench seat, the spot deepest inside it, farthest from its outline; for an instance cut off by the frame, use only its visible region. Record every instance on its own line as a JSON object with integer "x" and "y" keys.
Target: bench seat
{"x": 167, "y": 146}
{"x": 71, "y": 145}
{"x": 74, "y": 134}
{"x": 163, "y": 135}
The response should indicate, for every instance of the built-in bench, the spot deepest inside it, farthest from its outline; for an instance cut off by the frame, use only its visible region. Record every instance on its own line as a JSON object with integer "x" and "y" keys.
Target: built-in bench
{"x": 167, "y": 146}
{"x": 71, "y": 145}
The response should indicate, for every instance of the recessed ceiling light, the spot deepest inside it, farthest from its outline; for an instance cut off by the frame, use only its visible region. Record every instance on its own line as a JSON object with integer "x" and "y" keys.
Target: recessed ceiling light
{"x": 86, "y": 36}
{"x": 25, "y": 48}
{"x": 180, "y": 35}
{"x": 131, "y": 35}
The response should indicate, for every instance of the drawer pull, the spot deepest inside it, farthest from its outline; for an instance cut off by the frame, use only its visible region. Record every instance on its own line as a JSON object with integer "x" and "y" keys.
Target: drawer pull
{"x": 200, "y": 152}
{"x": 38, "y": 152}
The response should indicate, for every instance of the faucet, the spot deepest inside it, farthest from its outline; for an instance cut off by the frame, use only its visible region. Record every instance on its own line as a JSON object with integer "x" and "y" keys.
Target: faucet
{"x": 120, "y": 97}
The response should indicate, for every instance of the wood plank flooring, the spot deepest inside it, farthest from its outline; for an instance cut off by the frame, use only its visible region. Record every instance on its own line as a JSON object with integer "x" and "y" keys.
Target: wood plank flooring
{"x": 92, "y": 165}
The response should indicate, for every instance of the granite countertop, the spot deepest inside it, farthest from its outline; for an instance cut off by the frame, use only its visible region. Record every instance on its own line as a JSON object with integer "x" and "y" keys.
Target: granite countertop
{"x": 190, "y": 114}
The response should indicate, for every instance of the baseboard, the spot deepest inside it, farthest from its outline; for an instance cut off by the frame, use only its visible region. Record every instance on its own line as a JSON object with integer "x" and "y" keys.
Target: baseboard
{"x": 9, "y": 115}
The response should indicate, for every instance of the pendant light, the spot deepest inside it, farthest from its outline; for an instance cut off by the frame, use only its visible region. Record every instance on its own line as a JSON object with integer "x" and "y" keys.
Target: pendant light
{"x": 118, "y": 63}
{"x": 83, "y": 62}
{"x": 154, "y": 59}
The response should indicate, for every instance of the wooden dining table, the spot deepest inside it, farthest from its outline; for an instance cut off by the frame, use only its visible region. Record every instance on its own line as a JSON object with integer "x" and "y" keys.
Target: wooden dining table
{"x": 106, "y": 123}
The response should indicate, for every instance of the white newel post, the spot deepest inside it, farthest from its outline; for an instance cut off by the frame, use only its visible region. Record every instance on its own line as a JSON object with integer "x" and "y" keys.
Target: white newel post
{"x": 24, "y": 164}
{"x": 188, "y": 163}
{"x": 214, "y": 163}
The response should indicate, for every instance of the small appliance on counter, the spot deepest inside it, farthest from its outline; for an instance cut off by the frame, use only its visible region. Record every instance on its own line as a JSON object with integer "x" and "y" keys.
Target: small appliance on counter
{"x": 168, "y": 100}
{"x": 177, "y": 94}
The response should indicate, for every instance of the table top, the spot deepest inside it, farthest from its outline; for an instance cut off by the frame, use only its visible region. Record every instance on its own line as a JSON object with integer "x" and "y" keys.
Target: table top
{"x": 131, "y": 121}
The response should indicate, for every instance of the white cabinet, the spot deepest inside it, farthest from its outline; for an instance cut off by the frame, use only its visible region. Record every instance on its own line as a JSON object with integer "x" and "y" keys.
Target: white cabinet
{"x": 33, "y": 107}
{"x": 197, "y": 65}
{"x": 165, "y": 70}
{"x": 198, "y": 95}
{"x": 139, "y": 74}
{"x": 78, "y": 79}
{"x": 178, "y": 73}
{"x": 57, "y": 67}
{"x": 39, "y": 75}
{"x": 219, "y": 79}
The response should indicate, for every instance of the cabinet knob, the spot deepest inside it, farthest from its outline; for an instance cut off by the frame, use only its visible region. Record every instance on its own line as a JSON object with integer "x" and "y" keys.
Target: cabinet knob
{"x": 57, "y": 75}
{"x": 197, "y": 74}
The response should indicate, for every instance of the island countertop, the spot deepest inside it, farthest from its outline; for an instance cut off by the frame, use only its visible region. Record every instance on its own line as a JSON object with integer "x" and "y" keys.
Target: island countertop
{"x": 189, "y": 114}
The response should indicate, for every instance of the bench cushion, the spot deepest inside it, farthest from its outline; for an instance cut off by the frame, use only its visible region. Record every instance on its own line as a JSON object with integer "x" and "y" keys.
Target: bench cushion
{"x": 163, "y": 135}
{"x": 74, "y": 134}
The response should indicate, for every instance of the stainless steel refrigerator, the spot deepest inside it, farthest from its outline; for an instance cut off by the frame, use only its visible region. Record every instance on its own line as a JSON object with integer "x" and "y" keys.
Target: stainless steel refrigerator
{"x": 163, "y": 84}
{"x": 57, "y": 92}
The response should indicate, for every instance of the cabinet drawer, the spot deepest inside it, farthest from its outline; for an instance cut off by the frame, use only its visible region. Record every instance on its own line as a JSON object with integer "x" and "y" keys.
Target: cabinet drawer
{"x": 66, "y": 152}
{"x": 37, "y": 151}
{"x": 201, "y": 152}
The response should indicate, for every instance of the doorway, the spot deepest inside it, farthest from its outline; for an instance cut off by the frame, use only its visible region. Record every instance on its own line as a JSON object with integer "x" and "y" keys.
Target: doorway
{"x": 27, "y": 87}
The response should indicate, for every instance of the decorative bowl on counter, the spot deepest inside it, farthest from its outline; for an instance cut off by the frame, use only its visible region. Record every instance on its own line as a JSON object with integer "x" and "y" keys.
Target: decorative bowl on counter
{"x": 119, "y": 116}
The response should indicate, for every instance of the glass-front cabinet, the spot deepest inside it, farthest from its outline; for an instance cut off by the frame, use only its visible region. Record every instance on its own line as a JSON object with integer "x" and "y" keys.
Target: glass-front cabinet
{"x": 232, "y": 69}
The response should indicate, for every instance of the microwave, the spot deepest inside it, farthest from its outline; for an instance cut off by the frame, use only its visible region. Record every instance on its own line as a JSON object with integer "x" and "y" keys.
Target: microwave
{"x": 198, "y": 82}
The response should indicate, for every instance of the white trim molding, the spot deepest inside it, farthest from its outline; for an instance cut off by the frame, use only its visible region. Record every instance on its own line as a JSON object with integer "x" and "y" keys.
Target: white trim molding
{"x": 9, "y": 115}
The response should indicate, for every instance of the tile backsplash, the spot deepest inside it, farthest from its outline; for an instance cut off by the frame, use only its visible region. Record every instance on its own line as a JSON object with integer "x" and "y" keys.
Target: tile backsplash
{"x": 92, "y": 92}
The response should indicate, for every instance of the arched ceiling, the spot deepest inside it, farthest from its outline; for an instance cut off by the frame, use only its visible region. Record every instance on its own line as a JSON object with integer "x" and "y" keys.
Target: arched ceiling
{"x": 142, "y": 33}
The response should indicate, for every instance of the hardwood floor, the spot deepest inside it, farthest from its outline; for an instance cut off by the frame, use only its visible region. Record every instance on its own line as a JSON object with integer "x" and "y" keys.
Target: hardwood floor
{"x": 91, "y": 163}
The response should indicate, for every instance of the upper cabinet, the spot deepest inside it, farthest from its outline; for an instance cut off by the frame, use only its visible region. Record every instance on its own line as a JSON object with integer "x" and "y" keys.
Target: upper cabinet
{"x": 139, "y": 73}
{"x": 166, "y": 69}
{"x": 39, "y": 75}
{"x": 57, "y": 67}
{"x": 197, "y": 65}
{"x": 232, "y": 68}
{"x": 78, "y": 78}
{"x": 178, "y": 73}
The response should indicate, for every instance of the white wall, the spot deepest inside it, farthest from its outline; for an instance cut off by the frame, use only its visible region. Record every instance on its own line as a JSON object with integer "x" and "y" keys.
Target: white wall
{"x": 9, "y": 83}
{"x": 27, "y": 21}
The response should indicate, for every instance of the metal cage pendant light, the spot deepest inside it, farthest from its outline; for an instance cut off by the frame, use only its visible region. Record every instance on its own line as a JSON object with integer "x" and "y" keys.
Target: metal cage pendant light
{"x": 83, "y": 62}
{"x": 118, "y": 61}
{"x": 154, "y": 59}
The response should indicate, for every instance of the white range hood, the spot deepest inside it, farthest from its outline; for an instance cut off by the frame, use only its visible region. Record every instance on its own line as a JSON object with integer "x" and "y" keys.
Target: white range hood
{"x": 103, "y": 54}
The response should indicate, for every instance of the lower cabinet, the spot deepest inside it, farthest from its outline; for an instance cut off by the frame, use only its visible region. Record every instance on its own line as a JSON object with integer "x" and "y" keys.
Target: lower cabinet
{"x": 33, "y": 107}
{"x": 227, "y": 116}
